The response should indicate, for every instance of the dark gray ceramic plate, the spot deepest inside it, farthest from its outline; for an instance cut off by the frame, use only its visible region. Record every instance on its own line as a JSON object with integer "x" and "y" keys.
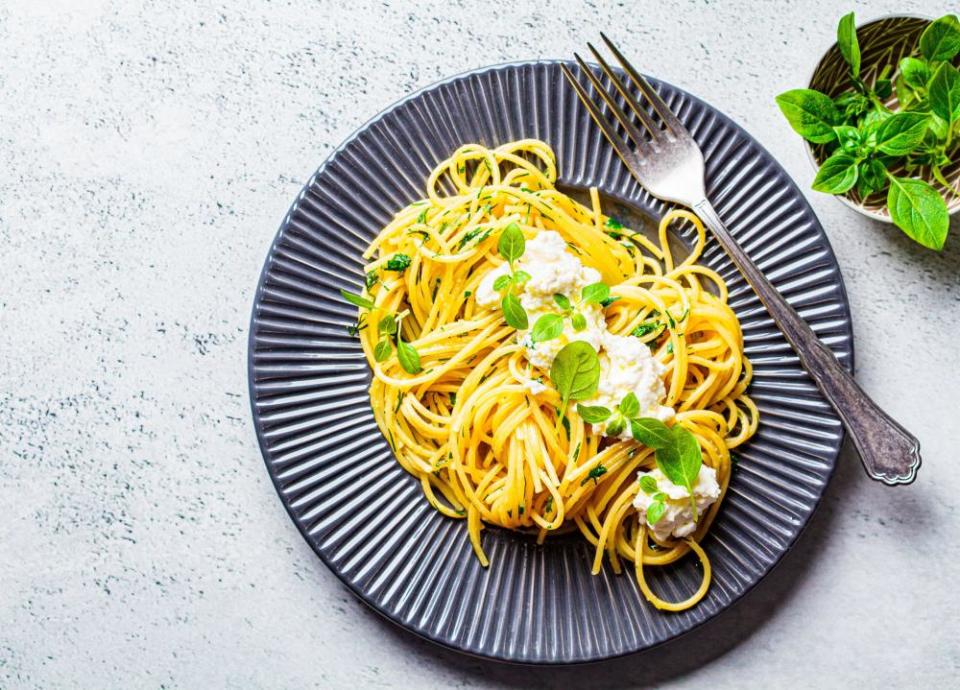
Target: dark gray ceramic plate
{"x": 367, "y": 519}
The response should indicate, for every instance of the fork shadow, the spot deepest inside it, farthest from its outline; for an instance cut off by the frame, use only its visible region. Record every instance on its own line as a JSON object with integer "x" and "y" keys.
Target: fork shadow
{"x": 682, "y": 655}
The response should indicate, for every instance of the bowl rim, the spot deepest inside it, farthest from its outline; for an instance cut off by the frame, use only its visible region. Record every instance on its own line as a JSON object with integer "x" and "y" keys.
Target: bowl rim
{"x": 843, "y": 198}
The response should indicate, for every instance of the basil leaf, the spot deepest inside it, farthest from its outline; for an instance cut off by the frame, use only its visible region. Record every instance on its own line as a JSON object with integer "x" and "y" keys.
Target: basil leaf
{"x": 595, "y": 293}
{"x": 902, "y": 133}
{"x": 918, "y": 210}
{"x": 520, "y": 277}
{"x": 387, "y": 325}
{"x": 941, "y": 39}
{"x": 655, "y": 511}
{"x": 648, "y": 484}
{"x": 837, "y": 174}
{"x": 547, "y": 327}
{"x": 357, "y": 300}
{"x": 883, "y": 88}
{"x": 562, "y": 301}
{"x": 615, "y": 426}
{"x": 501, "y": 282}
{"x": 398, "y": 263}
{"x": 848, "y": 44}
{"x": 680, "y": 462}
{"x": 811, "y": 114}
{"x": 575, "y": 374}
{"x": 383, "y": 350}
{"x": 630, "y": 406}
{"x": 593, "y": 414}
{"x": 408, "y": 356}
{"x": 872, "y": 177}
{"x": 511, "y": 244}
{"x": 849, "y": 138}
{"x": 513, "y": 313}
{"x": 371, "y": 279}
{"x": 944, "y": 92}
{"x": 915, "y": 72}
{"x": 651, "y": 432}
{"x": 578, "y": 321}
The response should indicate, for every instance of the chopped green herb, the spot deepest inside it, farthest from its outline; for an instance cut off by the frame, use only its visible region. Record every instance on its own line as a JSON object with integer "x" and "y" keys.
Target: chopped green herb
{"x": 398, "y": 263}
{"x": 371, "y": 278}
{"x": 357, "y": 300}
{"x": 594, "y": 474}
{"x": 613, "y": 223}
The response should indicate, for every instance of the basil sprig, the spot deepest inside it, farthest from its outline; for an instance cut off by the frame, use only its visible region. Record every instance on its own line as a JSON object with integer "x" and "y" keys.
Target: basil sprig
{"x": 388, "y": 328}
{"x": 575, "y": 374}
{"x": 511, "y": 247}
{"x": 617, "y": 419}
{"x": 677, "y": 454}
{"x": 865, "y": 140}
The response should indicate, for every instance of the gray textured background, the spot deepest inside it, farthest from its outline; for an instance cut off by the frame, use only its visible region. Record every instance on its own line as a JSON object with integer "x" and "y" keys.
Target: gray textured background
{"x": 148, "y": 151}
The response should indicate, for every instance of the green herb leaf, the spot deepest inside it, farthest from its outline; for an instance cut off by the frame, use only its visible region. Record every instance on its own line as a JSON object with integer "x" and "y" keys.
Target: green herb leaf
{"x": 387, "y": 325}
{"x": 511, "y": 244}
{"x": 837, "y": 174}
{"x": 513, "y": 312}
{"x": 595, "y": 293}
{"x": 594, "y": 474}
{"x": 357, "y": 300}
{"x": 501, "y": 282}
{"x": 371, "y": 279}
{"x": 655, "y": 511}
{"x": 849, "y": 138}
{"x": 593, "y": 414}
{"x": 680, "y": 462}
{"x": 651, "y": 432}
{"x": 648, "y": 484}
{"x": 901, "y": 133}
{"x": 408, "y": 356}
{"x": 547, "y": 327}
{"x": 578, "y": 321}
{"x": 944, "y": 92}
{"x": 562, "y": 301}
{"x": 383, "y": 350}
{"x": 613, "y": 223}
{"x": 630, "y": 406}
{"x": 872, "y": 177}
{"x": 915, "y": 72}
{"x": 398, "y": 263}
{"x": 520, "y": 277}
{"x": 811, "y": 114}
{"x": 616, "y": 425}
{"x": 575, "y": 373}
{"x": 608, "y": 301}
{"x": 918, "y": 210}
{"x": 941, "y": 39}
{"x": 848, "y": 44}
{"x": 646, "y": 328}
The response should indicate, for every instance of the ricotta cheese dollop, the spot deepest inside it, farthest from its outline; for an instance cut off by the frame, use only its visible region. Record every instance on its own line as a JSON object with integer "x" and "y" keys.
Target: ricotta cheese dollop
{"x": 626, "y": 363}
{"x": 677, "y": 519}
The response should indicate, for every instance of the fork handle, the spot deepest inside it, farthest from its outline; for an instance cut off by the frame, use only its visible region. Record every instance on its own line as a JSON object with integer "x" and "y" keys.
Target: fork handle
{"x": 889, "y": 452}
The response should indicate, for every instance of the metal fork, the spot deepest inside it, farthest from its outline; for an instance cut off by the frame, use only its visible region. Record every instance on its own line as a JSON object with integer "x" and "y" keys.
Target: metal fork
{"x": 669, "y": 164}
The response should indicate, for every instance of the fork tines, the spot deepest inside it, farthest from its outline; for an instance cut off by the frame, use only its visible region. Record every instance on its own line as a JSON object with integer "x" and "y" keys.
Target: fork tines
{"x": 671, "y": 129}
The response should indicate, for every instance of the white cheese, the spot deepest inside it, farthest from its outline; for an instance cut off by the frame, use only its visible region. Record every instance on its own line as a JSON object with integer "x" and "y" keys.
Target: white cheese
{"x": 627, "y": 365}
{"x": 677, "y": 519}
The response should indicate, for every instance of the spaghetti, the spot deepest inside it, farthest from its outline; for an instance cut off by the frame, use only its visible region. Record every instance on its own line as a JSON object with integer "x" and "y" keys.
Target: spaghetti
{"x": 466, "y": 412}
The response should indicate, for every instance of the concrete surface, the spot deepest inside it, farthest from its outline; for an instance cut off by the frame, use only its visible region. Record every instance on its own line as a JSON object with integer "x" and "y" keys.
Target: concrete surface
{"x": 148, "y": 151}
